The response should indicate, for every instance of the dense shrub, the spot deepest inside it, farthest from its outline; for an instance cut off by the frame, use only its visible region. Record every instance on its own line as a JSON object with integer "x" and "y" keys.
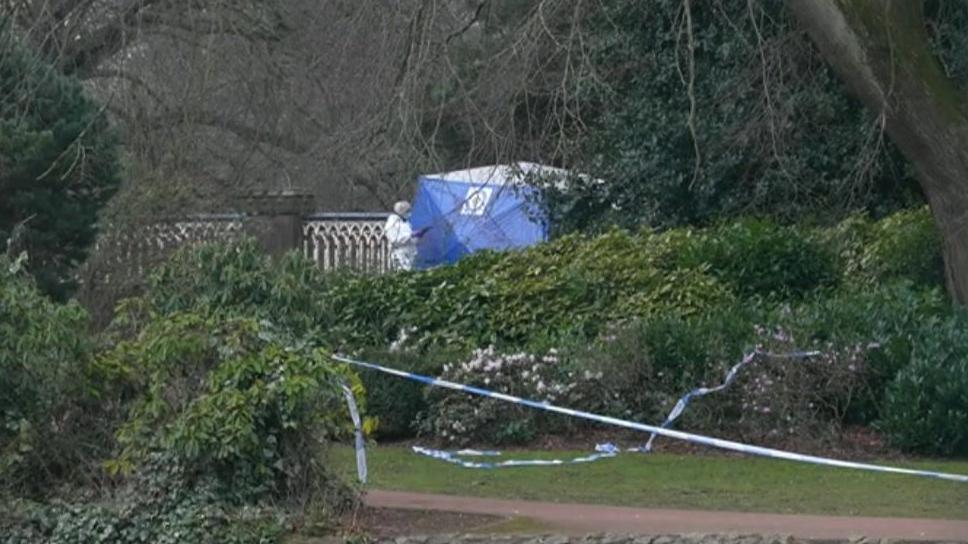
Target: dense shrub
{"x": 571, "y": 287}
{"x": 240, "y": 279}
{"x": 784, "y": 399}
{"x": 651, "y": 362}
{"x": 906, "y": 245}
{"x": 213, "y": 415}
{"x": 648, "y": 365}
{"x": 230, "y": 399}
{"x": 775, "y": 399}
{"x": 576, "y": 285}
{"x": 888, "y": 316}
{"x": 927, "y": 404}
{"x": 865, "y": 338}
{"x": 773, "y": 160}
{"x": 757, "y": 257}
{"x": 656, "y": 314}
{"x": 50, "y": 425}
{"x": 877, "y": 314}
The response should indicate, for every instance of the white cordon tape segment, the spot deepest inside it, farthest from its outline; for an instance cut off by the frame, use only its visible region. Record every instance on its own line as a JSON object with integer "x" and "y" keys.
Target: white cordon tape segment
{"x": 358, "y": 426}
{"x": 455, "y": 458}
{"x": 670, "y": 433}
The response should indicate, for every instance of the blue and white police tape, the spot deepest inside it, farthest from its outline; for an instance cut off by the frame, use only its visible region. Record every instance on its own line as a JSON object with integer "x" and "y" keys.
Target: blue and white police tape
{"x": 358, "y": 426}
{"x": 730, "y": 377}
{"x": 603, "y": 451}
{"x": 456, "y": 458}
{"x": 670, "y": 433}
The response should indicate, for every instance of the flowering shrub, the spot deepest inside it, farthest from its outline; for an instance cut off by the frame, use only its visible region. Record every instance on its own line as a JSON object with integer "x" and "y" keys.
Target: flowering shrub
{"x": 460, "y": 419}
{"x": 782, "y": 398}
{"x": 775, "y": 399}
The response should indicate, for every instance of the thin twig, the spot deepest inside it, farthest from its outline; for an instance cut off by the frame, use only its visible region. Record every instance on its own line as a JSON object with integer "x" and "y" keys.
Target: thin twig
{"x": 691, "y": 91}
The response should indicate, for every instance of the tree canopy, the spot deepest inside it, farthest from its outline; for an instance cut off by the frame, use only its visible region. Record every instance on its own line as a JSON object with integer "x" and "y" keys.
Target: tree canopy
{"x": 721, "y": 110}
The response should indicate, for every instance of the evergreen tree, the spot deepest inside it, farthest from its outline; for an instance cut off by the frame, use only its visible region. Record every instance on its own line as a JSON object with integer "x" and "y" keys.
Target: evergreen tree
{"x": 59, "y": 164}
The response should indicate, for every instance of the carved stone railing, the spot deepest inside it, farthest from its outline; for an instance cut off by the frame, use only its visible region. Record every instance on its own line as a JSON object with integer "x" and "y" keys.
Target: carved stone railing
{"x": 132, "y": 252}
{"x": 354, "y": 241}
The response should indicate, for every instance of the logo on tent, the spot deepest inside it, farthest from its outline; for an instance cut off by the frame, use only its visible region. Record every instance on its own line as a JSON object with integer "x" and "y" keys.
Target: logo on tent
{"x": 476, "y": 201}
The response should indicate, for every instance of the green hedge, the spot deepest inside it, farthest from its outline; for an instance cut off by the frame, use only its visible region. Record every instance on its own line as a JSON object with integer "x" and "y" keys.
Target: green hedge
{"x": 757, "y": 257}
{"x": 571, "y": 287}
{"x": 576, "y": 285}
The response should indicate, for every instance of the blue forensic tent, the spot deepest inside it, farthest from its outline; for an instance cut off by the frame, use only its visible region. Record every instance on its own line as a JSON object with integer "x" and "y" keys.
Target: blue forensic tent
{"x": 489, "y": 207}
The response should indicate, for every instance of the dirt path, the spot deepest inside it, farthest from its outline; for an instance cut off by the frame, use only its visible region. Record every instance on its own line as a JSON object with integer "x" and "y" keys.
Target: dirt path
{"x": 583, "y": 519}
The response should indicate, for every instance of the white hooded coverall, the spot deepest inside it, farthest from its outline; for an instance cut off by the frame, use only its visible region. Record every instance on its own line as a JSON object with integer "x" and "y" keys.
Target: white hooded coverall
{"x": 403, "y": 246}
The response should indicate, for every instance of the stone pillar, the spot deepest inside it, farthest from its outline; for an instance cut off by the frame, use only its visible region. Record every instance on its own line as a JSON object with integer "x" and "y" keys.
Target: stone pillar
{"x": 276, "y": 219}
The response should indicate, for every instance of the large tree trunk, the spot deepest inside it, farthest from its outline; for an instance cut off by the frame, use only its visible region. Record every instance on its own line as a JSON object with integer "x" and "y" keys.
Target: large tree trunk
{"x": 880, "y": 48}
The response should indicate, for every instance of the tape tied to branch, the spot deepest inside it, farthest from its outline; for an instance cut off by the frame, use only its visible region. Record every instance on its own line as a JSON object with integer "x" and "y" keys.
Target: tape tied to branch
{"x": 358, "y": 443}
{"x": 730, "y": 378}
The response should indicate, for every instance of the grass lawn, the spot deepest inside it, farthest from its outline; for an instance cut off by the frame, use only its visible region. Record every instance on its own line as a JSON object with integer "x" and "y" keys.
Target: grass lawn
{"x": 701, "y": 482}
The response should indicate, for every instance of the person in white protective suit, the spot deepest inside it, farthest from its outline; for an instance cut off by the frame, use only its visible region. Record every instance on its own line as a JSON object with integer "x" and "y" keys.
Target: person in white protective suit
{"x": 402, "y": 238}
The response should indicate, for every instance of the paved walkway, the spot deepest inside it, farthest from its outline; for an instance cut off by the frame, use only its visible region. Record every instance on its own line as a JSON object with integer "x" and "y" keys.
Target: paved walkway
{"x": 577, "y": 519}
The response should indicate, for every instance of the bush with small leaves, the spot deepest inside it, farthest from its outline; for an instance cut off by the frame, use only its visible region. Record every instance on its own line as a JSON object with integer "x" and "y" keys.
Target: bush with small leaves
{"x": 395, "y": 405}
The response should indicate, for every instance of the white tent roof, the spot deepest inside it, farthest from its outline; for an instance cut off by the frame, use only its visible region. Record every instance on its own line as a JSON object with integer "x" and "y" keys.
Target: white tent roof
{"x": 501, "y": 174}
